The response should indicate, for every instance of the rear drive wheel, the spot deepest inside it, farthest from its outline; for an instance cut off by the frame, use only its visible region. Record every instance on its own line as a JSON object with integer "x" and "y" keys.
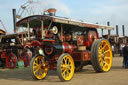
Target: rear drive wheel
{"x": 65, "y": 67}
{"x": 101, "y": 55}
{"x": 39, "y": 67}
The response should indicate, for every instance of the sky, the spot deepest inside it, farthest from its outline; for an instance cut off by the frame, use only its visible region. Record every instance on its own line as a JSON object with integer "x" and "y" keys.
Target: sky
{"x": 92, "y": 11}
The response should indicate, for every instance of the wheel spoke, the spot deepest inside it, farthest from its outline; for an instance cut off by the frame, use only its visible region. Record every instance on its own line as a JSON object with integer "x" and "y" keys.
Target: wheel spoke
{"x": 63, "y": 67}
{"x": 107, "y": 58}
{"x": 100, "y": 59}
{"x": 36, "y": 71}
{"x": 101, "y": 63}
{"x": 104, "y": 47}
{"x": 69, "y": 62}
{"x": 100, "y": 55}
{"x": 39, "y": 60}
{"x": 35, "y": 64}
{"x": 100, "y": 50}
{"x": 107, "y": 51}
{"x": 40, "y": 72}
{"x": 34, "y": 67}
{"x": 36, "y": 61}
{"x": 65, "y": 60}
{"x": 68, "y": 73}
{"x": 64, "y": 73}
{"x": 105, "y": 64}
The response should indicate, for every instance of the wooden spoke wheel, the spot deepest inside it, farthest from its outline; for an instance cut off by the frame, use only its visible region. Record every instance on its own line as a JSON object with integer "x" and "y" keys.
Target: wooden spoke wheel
{"x": 101, "y": 55}
{"x": 39, "y": 67}
{"x": 26, "y": 59}
{"x": 65, "y": 67}
{"x": 11, "y": 60}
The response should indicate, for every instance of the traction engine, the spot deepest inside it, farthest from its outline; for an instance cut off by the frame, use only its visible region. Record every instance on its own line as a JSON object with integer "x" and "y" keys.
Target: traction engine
{"x": 64, "y": 45}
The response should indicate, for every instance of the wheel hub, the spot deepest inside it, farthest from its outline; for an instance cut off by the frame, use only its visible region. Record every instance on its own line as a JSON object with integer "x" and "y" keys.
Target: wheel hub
{"x": 103, "y": 55}
{"x": 11, "y": 60}
{"x": 68, "y": 67}
{"x": 39, "y": 67}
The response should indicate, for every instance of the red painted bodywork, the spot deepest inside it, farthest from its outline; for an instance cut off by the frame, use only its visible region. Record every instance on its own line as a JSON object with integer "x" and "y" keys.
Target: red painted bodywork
{"x": 35, "y": 43}
{"x": 52, "y": 41}
{"x": 81, "y": 55}
{"x": 81, "y": 40}
{"x": 3, "y": 55}
{"x": 52, "y": 64}
{"x": 48, "y": 49}
{"x": 92, "y": 35}
{"x": 67, "y": 48}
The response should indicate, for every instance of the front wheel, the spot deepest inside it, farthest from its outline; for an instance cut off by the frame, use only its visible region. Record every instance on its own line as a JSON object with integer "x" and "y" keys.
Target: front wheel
{"x": 101, "y": 55}
{"x": 11, "y": 60}
{"x": 65, "y": 67}
{"x": 39, "y": 67}
{"x": 26, "y": 59}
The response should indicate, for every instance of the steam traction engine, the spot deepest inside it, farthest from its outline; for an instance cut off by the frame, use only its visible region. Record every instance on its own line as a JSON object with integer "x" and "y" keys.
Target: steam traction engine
{"x": 64, "y": 44}
{"x": 12, "y": 49}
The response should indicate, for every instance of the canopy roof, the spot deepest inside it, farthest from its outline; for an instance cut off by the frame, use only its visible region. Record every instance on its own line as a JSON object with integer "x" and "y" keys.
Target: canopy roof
{"x": 35, "y": 20}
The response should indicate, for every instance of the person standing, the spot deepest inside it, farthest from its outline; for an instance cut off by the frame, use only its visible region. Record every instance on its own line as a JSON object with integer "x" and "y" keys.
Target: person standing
{"x": 113, "y": 50}
{"x": 125, "y": 56}
{"x": 121, "y": 48}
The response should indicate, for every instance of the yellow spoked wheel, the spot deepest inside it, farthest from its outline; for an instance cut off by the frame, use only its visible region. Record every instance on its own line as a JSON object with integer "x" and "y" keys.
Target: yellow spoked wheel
{"x": 101, "y": 55}
{"x": 65, "y": 67}
{"x": 39, "y": 67}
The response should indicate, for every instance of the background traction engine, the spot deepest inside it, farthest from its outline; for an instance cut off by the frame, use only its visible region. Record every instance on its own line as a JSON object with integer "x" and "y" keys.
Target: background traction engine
{"x": 12, "y": 51}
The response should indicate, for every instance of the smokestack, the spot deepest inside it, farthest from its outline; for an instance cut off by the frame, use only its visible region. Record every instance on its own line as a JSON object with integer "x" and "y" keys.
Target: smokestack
{"x": 14, "y": 19}
{"x": 109, "y": 32}
{"x": 117, "y": 30}
{"x": 108, "y": 23}
{"x": 102, "y": 32}
{"x": 123, "y": 30}
{"x": 51, "y": 11}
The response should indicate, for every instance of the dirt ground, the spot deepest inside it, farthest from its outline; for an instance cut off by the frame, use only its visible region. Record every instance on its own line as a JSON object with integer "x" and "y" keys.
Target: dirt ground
{"x": 116, "y": 76}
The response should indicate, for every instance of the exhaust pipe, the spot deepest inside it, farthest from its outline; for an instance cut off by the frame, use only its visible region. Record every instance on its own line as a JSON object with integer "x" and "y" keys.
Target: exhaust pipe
{"x": 117, "y": 30}
{"x": 14, "y": 19}
{"x": 109, "y": 32}
{"x": 123, "y": 30}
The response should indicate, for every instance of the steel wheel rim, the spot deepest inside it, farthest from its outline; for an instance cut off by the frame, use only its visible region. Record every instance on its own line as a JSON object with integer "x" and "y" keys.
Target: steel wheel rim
{"x": 11, "y": 61}
{"x": 105, "y": 55}
{"x": 67, "y": 67}
{"x": 40, "y": 68}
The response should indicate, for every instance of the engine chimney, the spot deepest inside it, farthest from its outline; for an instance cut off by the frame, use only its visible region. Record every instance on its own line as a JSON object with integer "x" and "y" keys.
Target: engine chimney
{"x": 51, "y": 11}
{"x": 117, "y": 30}
{"x": 14, "y": 19}
{"x": 123, "y": 30}
{"x": 109, "y": 32}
